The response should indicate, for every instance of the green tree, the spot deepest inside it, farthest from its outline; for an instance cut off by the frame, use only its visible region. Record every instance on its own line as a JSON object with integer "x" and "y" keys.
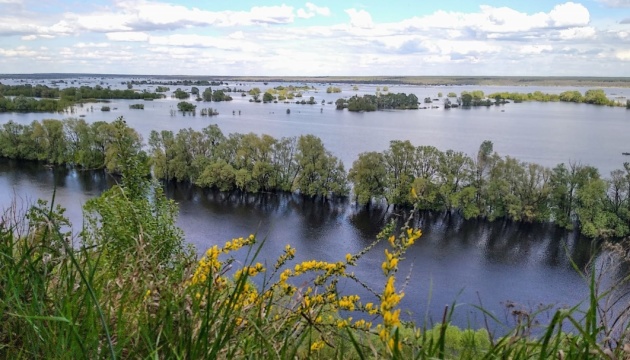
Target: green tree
{"x": 597, "y": 97}
{"x": 399, "y": 165}
{"x": 368, "y": 177}
{"x": 185, "y": 106}
{"x": 320, "y": 173}
{"x": 122, "y": 142}
{"x": 207, "y": 94}
{"x": 267, "y": 97}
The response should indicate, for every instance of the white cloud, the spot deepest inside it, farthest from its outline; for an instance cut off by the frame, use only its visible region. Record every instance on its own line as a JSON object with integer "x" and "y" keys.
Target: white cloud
{"x": 312, "y": 10}
{"x": 616, "y": 3}
{"x": 360, "y": 18}
{"x": 20, "y": 51}
{"x": 82, "y": 45}
{"x": 132, "y": 36}
{"x": 495, "y": 22}
{"x": 623, "y": 55}
{"x": 534, "y": 49}
{"x": 576, "y": 33}
{"x": 29, "y": 37}
{"x": 569, "y": 14}
{"x": 201, "y": 41}
{"x": 237, "y": 35}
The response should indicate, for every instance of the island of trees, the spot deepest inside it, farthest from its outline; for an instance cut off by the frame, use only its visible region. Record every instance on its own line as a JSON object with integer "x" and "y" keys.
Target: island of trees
{"x": 400, "y": 101}
{"x": 487, "y": 186}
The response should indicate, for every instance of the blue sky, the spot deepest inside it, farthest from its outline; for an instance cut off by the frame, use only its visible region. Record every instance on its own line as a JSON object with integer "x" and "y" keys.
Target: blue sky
{"x": 319, "y": 37}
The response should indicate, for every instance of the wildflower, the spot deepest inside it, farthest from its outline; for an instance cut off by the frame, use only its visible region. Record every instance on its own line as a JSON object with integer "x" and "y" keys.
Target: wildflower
{"x": 392, "y": 241}
{"x": 317, "y": 345}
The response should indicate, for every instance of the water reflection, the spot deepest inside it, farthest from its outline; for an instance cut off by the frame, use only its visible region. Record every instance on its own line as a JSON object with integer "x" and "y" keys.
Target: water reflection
{"x": 454, "y": 260}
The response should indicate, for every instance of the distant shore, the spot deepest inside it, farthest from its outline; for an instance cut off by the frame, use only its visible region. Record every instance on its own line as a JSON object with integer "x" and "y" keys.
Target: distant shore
{"x": 407, "y": 80}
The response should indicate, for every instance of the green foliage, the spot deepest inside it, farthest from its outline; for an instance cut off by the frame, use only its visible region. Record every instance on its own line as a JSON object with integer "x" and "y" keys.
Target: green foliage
{"x": 207, "y": 94}
{"x": 267, "y": 97}
{"x": 320, "y": 173}
{"x": 181, "y": 94}
{"x": 185, "y": 106}
{"x": 368, "y": 176}
{"x": 333, "y": 89}
{"x": 219, "y": 95}
{"x": 27, "y": 104}
{"x": 137, "y": 106}
{"x": 372, "y": 103}
{"x": 488, "y": 186}
{"x": 596, "y": 97}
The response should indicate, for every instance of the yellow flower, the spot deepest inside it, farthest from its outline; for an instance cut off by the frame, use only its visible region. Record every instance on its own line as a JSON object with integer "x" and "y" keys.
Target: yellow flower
{"x": 317, "y": 345}
{"x": 348, "y": 257}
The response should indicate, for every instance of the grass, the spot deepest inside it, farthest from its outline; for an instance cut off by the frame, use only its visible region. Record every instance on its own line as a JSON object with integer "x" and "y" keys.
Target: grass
{"x": 139, "y": 292}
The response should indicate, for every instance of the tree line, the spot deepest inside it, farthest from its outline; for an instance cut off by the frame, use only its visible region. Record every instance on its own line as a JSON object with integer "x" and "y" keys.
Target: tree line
{"x": 23, "y": 97}
{"x": 593, "y": 96}
{"x": 399, "y": 101}
{"x": 487, "y": 186}
{"x": 493, "y": 187}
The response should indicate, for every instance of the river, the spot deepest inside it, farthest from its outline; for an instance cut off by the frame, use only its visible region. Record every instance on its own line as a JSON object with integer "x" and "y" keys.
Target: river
{"x": 455, "y": 260}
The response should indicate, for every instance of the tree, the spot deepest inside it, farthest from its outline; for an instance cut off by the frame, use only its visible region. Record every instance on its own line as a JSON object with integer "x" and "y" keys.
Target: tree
{"x": 185, "y": 106}
{"x": 122, "y": 142}
{"x": 466, "y": 99}
{"x": 597, "y": 97}
{"x": 207, "y": 94}
{"x": 320, "y": 173}
{"x": 219, "y": 95}
{"x": 267, "y": 97}
{"x": 180, "y": 94}
{"x": 399, "y": 160}
{"x": 368, "y": 177}
{"x": 133, "y": 215}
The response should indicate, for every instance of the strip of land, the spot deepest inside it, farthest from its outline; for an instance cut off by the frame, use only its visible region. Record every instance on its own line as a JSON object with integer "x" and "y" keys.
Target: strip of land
{"x": 409, "y": 80}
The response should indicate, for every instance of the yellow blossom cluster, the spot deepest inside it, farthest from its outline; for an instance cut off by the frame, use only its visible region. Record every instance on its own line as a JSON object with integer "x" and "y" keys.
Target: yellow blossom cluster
{"x": 288, "y": 254}
{"x": 390, "y": 263}
{"x": 251, "y": 271}
{"x": 390, "y": 298}
{"x": 314, "y": 265}
{"x": 370, "y": 309}
{"x": 238, "y": 243}
{"x": 317, "y": 345}
{"x": 348, "y": 302}
{"x": 210, "y": 264}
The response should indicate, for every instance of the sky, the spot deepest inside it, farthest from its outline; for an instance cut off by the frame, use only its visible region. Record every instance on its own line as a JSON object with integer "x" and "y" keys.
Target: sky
{"x": 317, "y": 38}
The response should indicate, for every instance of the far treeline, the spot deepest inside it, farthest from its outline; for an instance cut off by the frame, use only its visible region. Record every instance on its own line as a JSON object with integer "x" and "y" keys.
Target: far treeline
{"x": 487, "y": 186}
{"x": 57, "y": 100}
